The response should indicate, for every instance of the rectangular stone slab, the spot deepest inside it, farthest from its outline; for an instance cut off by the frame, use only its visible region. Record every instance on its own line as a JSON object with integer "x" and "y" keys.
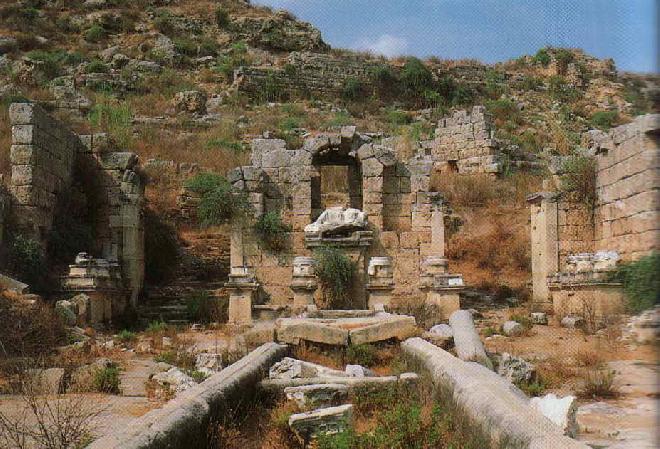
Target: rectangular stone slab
{"x": 294, "y": 333}
{"x": 399, "y": 327}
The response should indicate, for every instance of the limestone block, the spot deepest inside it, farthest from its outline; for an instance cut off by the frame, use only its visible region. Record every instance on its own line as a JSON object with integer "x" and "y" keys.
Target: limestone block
{"x": 399, "y": 327}
{"x": 317, "y": 395}
{"x": 512, "y": 329}
{"x": 295, "y": 332}
{"x": 290, "y": 368}
{"x": 515, "y": 369}
{"x": 443, "y": 330}
{"x": 539, "y": 317}
{"x": 325, "y": 421}
{"x": 561, "y": 411}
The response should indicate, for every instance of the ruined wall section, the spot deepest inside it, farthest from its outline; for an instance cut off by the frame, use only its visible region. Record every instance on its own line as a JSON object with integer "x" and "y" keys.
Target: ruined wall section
{"x": 287, "y": 181}
{"x": 465, "y": 143}
{"x": 43, "y": 155}
{"x": 306, "y": 74}
{"x": 575, "y": 230}
{"x": 628, "y": 183}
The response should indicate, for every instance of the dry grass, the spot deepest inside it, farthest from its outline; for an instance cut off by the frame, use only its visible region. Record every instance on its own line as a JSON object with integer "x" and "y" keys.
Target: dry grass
{"x": 598, "y": 384}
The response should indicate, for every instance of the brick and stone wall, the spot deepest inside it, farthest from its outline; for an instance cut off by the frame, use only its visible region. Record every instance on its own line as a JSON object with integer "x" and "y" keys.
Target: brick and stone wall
{"x": 628, "y": 183}
{"x": 43, "y": 154}
{"x": 387, "y": 189}
{"x": 464, "y": 143}
{"x": 55, "y": 171}
{"x": 306, "y": 74}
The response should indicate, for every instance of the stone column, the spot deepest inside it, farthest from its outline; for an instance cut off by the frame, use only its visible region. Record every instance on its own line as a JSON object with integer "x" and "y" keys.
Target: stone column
{"x": 304, "y": 283}
{"x": 438, "y": 231}
{"x": 242, "y": 286}
{"x": 236, "y": 258}
{"x": 381, "y": 282}
{"x": 545, "y": 250}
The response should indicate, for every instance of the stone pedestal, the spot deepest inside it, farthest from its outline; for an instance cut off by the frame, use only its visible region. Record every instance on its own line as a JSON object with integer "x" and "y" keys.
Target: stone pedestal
{"x": 441, "y": 288}
{"x": 381, "y": 282}
{"x": 242, "y": 288}
{"x": 102, "y": 282}
{"x": 304, "y": 283}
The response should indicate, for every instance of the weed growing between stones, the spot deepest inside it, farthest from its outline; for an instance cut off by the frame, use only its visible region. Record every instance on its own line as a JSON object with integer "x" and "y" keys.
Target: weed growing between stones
{"x": 598, "y": 384}
{"x": 335, "y": 272}
{"x": 106, "y": 380}
{"x": 641, "y": 282}
{"x": 271, "y": 231}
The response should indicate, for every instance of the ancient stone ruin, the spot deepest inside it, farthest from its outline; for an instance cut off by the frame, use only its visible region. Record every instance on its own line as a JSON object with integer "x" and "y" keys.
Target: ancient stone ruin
{"x": 574, "y": 246}
{"x": 385, "y": 220}
{"x": 57, "y": 173}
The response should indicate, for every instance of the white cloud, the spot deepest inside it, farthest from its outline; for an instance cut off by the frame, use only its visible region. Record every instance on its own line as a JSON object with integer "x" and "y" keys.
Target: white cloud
{"x": 385, "y": 44}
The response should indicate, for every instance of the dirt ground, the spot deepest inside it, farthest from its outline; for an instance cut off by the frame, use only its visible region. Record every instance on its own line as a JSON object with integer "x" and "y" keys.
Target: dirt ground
{"x": 627, "y": 421}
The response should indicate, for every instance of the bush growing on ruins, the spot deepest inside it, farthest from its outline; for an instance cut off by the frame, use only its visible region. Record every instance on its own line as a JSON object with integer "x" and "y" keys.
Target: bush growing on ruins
{"x": 578, "y": 180}
{"x": 335, "y": 272}
{"x": 126, "y": 336}
{"x": 415, "y": 76}
{"x": 641, "y": 282}
{"x": 97, "y": 66}
{"x": 560, "y": 90}
{"x": 221, "y": 205}
{"x": 161, "y": 248}
{"x": 54, "y": 61}
{"x": 115, "y": 118}
{"x": 106, "y": 380}
{"x": 26, "y": 260}
{"x": 271, "y": 231}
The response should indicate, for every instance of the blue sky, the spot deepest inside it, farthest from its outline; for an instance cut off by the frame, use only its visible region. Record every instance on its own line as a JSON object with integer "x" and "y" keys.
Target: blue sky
{"x": 488, "y": 30}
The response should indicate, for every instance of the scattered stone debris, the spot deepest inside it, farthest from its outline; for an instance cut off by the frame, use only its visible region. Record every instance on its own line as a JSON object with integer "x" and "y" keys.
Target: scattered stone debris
{"x": 643, "y": 328}
{"x": 174, "y": 379}
{"x": 358, "y": 371}
{"x": 289, "y": 368}
{"x": 572, "y": 322}
{"x": 539, "y": 318}
{"x": 515, "y": 369}
{"x": 512, "y": 329}
{"x": 192, "y": 101}
{"x": 208, "y": 363}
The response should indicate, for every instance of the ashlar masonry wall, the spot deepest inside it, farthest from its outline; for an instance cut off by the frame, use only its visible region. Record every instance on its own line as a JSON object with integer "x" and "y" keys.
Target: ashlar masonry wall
{"x": 628, "y": 187}
{"x": 55, "y": 171}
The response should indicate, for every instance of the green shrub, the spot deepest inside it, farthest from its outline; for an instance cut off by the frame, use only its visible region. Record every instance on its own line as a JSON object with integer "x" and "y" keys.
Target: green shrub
{"x": 205, "y": 182}
{"x": 156, "y": 326}
{"x": 564, "y": 57}
{"x": 198, "y": 376}
{"x": 222, "y": 18}
{"x": 97, "y": 66}
{"x": 165, "y": 23}
{"x": 364, "y": 355}
{"x": 396, "y": 117}
{"x": 335, "y": 272}
{"x": 185, "y": 46}
{"x": 353, "y": 90}
{"x": 542, "y": 57}
{"x": 578, "y": 180}
{"x": 525, "y": 321}
{"x": 535, "y": 387}
{"x": 53, "y": 61}
{"x": 641, "y": 282}
{"x": 561, "y": 90}
{"x": 271, "y": 231}
{"x": 94, "y": 34}
{"x": 126, "y": 336}
{"x": 385, "y": 80}
{"x": 115, "y": 118}
{"x": 221, "y": 204}
{"x": 26, "y": 260}
{"x": 339, "y": 119}
{"x": 106, "y": 380}
{"x": 204, "y": 308}
{"x": 289, "y": 124}
{"x": 415, "y": 76}
{"x": 604, "y": 119}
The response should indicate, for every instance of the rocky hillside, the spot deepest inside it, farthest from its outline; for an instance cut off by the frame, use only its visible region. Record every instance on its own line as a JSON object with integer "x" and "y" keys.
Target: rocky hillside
{"x": 188, "y": 84}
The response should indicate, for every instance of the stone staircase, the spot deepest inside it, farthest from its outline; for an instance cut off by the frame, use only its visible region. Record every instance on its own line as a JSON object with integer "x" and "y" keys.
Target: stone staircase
{"x": 204, "y": 266}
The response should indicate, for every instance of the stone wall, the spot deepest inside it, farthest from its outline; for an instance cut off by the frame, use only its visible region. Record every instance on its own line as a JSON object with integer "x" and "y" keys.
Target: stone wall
{"x": 388, "y": 190}
{"x": 43, "y": 154}
{"x": 464, "y": 143}
{"x": 56, "y": 172}
{"x": 624, "y": 220}
{"x": 305, "y": 74}
{"x": 627, "y": 182}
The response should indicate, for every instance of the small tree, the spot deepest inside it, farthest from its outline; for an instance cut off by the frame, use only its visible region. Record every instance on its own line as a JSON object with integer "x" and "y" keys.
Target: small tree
{"x": 335, "y": 272}
{"x": 222, "y": 18}
{"x": 219, "y": 203}
{"x": 641, "y": 282}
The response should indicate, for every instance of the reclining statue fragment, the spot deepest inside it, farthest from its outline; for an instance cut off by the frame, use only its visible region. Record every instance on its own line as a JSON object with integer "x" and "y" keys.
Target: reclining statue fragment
{"x": 337, "y": 220}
